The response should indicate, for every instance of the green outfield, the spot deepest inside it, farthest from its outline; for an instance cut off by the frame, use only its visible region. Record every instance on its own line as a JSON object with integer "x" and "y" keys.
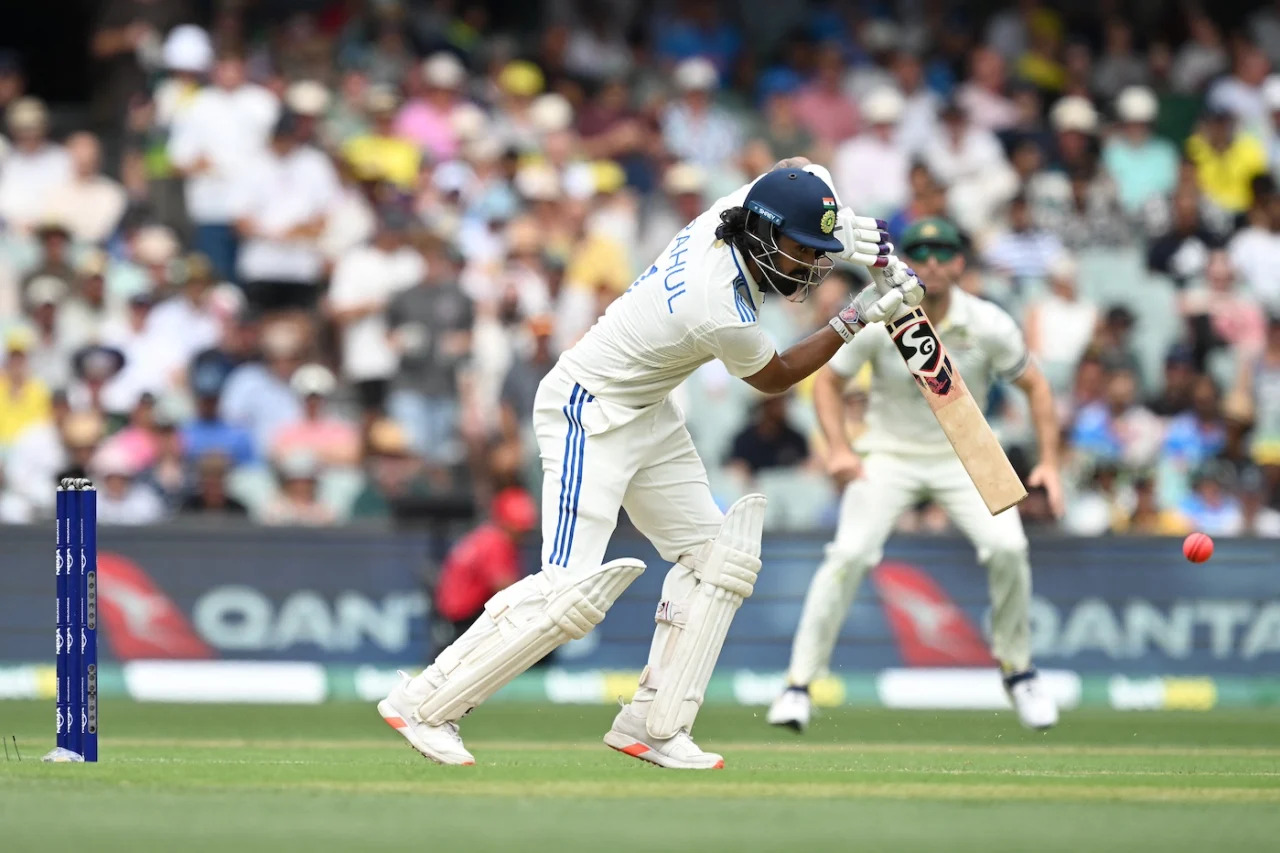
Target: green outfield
{"x": 333, "y": 777}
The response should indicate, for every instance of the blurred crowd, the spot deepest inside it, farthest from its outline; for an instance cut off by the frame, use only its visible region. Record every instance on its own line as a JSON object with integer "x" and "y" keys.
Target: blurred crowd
{"x": 307, "y": 261}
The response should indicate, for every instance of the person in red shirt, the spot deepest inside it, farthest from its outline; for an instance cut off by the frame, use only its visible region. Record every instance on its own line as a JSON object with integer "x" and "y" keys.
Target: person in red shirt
{"x": 486, "y": 560}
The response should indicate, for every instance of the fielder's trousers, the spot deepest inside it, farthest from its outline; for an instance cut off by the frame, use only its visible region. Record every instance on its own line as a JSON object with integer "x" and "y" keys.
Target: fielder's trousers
{"x": 871, "y": 504}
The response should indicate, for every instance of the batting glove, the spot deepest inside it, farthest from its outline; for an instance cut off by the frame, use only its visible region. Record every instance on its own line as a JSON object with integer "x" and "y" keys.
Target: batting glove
{"x": 866, "y": 242}
{"x": 896, "y": 274}
{"x": 873, "y": 305}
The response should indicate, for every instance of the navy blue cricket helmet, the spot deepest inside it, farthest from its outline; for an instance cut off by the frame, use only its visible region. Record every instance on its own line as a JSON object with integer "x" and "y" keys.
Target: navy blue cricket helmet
{"x": 786, "y": 203}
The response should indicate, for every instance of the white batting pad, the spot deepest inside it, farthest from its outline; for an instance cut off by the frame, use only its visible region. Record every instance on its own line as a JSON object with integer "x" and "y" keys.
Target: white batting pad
{"x": 527, "y": 620}
{"x": 726, "y": 569}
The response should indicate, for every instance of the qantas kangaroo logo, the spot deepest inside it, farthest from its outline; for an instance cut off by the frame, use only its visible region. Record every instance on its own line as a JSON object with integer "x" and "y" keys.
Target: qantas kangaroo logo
{"x": 141, "y": 621}
{"x": 931, "y": 630}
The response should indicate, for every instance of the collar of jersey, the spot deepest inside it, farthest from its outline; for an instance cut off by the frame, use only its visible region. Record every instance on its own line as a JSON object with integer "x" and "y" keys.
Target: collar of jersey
{"x": 757, "y": 296}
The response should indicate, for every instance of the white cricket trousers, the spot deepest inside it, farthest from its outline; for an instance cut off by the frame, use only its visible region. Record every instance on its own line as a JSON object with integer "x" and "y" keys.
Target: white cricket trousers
{"x": 598, "y": 457}
{"x": 889, "y": 485}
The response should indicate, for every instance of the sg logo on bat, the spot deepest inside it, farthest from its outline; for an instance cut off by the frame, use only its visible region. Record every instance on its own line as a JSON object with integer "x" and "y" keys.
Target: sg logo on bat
{"x": 923, "y": 353}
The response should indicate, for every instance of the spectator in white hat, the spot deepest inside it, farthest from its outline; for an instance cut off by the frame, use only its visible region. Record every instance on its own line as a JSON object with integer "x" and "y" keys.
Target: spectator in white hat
{"x": 870, "y": 170}
{"x": 1143, "y": 165}
{"x": 551, "y": 117}
{"x": 427, "y": 119}
{"x": 309, "y": 102}
{"x": 225, "y": 129}
{"x": 334, "y": 441}
{"x": 694, "y": 128}
{"x": 33, "y": 167}
{"x": 188, "y": 57}
{"x": 49, "y": 355}
{"x": 1075, "y": 124}
{"x": 1074, "y": 199}
{"x": 90, "y": 204}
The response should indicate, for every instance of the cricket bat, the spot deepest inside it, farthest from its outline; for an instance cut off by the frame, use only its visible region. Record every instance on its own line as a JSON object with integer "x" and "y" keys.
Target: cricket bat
{"x": 957, "y": 412}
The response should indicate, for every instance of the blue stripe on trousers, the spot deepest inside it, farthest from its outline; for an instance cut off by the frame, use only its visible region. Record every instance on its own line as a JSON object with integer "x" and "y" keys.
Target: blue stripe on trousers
{"x": 565, "y": 465}
{"x": 577, "y": 489}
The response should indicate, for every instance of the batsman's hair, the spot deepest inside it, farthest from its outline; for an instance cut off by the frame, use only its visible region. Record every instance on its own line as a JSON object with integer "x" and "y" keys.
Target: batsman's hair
{"x": 733, "y": 227}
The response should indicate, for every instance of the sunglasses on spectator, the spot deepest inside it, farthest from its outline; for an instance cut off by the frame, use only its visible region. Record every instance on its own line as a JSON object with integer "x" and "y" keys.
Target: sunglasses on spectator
{"x": 923, "y": 251}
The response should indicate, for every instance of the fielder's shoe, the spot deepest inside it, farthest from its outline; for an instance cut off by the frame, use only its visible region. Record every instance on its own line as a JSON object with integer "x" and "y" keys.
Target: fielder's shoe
{"x": 441, "y": 744}
{"x": 1036, "y": 708}
{"x": 677, "y": 753}
{"x": 792, "y": 709}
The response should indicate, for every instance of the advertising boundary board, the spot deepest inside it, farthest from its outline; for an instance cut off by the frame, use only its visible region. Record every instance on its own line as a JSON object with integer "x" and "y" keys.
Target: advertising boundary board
{"x": 359, "y": 598}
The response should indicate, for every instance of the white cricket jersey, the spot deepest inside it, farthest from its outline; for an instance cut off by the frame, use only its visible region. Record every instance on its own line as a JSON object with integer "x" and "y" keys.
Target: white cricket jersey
{"x": 696, "y": 302}
{"x": 984, "y": 344}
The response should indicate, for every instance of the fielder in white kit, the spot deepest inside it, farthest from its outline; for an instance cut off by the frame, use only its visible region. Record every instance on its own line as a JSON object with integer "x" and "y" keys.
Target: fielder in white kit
{"x": 611, "y": 437}
{"x": 906, "y": 457}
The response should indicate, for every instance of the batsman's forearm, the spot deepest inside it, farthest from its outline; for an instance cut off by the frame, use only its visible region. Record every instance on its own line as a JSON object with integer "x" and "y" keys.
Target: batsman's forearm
{"x": 802, "y": 359}
{"x": 828, "y": 404}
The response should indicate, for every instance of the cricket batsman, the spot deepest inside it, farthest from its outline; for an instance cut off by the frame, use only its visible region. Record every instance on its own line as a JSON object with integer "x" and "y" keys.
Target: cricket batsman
{"x": 610, "y": 437}
{"x": 905, "y": 456}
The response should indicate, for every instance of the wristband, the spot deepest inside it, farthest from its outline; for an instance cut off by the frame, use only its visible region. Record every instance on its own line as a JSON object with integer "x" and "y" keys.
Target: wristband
{"x": 842, "y": 330}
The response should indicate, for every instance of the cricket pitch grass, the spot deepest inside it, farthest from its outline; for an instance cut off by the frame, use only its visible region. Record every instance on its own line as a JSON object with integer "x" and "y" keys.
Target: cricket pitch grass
{"x": 249, "y": 778}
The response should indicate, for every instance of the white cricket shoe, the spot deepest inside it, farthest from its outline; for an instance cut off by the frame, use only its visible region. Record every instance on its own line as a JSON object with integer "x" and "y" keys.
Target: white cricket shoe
{"x": 629, "y": 735}
{"x": 792, "y": 709}
{"x": 1036, "y": 708}
{"x": 441, "y": 744}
